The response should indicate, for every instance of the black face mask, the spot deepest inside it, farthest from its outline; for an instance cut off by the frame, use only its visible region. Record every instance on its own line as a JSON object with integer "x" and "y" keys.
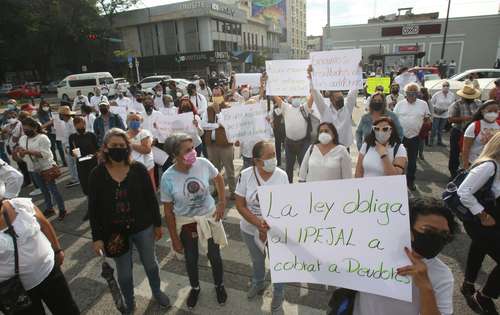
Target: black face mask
{"x": 149, "y": 109}
{"x": 29, "y": 133}
{"x": 191, "y": 92}
{"x": 118, "y": 154}
{"x": 377, "y": 106}
{"x": 394, "y": 91}
{"x": 81, "y": 130}
{"x": 104, "y": 110}
{"x": 428, "y": 244}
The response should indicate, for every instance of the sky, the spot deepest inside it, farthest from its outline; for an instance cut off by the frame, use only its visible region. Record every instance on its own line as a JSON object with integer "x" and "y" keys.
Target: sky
{"x": 345, "y": 12}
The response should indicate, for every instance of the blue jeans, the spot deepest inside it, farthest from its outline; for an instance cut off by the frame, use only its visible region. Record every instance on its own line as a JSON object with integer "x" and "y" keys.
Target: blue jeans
{"x": 438, "y": 125}
{"x": 73, "y": 171}
{"x": 3, "y": 153}
{"x": 144, "y": 241}
{"x": 49, "y": 190}
{"x": 259, "y": 265}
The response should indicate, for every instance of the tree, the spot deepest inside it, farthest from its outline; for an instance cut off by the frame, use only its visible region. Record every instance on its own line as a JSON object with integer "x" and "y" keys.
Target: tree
{"x": 109, "y": 8}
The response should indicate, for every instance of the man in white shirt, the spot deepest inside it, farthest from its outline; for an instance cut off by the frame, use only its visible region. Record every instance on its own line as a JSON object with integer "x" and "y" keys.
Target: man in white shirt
{"x": 96, "y": 99}
{"x": 150, "y": 116}
{"x": 411, "y": 113}
{"x": 80, "y": 100}
{"x": 136, "y": 105}
{"x": 198, "y": 100}
{"x": 338, "y": 112}
{"x": 295, "y": 113}
{"x": 65, "y": 115}
{"x": 13, "y": 180}
{"x": 395, "y": 97}
{"x": 89, "y": 118}
{"x": 158, "y": 97}
{"x": 432, "y": 227}
{"x": 441, "y": 101}
{"x": 204, "y": 90}
{"x": 122, "y": 100}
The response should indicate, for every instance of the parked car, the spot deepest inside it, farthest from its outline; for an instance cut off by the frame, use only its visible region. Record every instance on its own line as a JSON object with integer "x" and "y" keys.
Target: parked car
{"x": 486, "y": 77}
{"x": 27, "y": 90}
{"x": 148, "y": 83}
{"x": 5, "y": 88}
{"x": 50, "y": 87}
{"x": 85, "y": 82}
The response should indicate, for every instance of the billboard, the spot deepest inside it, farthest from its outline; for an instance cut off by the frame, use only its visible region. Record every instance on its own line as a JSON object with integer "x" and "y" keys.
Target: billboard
{"x": 274, "y": 10}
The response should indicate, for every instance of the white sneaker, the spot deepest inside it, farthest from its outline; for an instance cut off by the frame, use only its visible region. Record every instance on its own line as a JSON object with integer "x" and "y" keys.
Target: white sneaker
{"x": 35, "y": 192}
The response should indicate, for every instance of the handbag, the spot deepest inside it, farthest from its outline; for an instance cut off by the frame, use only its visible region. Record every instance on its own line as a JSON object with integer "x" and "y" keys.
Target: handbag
{"x": 13, "y": 296}
{"x": 51, "y": 174}
{"x": 342, "y": 302}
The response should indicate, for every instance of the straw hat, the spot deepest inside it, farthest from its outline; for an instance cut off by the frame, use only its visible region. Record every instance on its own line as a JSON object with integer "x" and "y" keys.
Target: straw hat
{"x": 65, "y": 110}
{"x": 469, "y": 92}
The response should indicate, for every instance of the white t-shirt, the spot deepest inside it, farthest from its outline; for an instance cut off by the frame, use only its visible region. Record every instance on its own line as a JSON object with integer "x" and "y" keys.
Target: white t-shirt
{"x": 373, "y": 164}
{"x": 146, "y": 159}
{"x": 411, "y": 116}
{"x": 95, "y": 100}
{"x": 89, "y": 122}
{"x": 247, "y": 188}
{"x": 158, "y": 101}
{"x": 69, "y": 129}
{"x": 36, "y": 257}
{"x": 123, "y": 102}
{"x": 405, "y": 78}
{"x": 477, "y": 144}
{"x": 441, "y": 103}
{"x": 442, "y": 283}
{"x": 295, "y": 124}
{"x": 135, "y": 107}
{"x": 335, "y": 164}
{"x": 149, "y": 121}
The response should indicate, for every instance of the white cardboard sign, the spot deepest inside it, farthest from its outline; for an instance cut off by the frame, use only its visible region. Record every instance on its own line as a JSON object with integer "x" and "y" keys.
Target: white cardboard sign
{"x": 250, "y": 79}
{"x": 167, "y": 125}
{"x": 245, "y": 122}
{"x": 349, "y": 233}
{"x": 287, "y": 77}
{"x": 337, "y": 69}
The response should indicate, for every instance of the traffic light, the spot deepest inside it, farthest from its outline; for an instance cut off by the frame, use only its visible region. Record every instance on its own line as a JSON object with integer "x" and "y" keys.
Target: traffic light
{"x": 92, "y": 36}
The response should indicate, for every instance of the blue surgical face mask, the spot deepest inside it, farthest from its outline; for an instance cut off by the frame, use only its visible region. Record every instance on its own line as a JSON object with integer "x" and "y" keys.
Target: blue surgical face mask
{"x": 134, "y": 124}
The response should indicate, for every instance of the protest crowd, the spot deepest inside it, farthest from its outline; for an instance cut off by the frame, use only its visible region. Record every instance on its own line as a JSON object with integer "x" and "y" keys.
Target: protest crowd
{"x": 142, "y": 157}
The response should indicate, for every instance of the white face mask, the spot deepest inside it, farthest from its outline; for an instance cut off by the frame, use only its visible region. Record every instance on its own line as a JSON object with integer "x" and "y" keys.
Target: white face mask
{"x": 382, "y": 136}
{"x": 11, "y": 120}
{"x": 325, "y": 138}
{"x": 45, "y": 109}
{"x": 270, "y": 165}
{"x": 490, "y": 116}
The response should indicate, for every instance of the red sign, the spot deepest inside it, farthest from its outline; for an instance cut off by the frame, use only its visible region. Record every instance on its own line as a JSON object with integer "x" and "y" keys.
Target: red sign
{"x": 408, "y": 48}
{"x": 411, "y": 30}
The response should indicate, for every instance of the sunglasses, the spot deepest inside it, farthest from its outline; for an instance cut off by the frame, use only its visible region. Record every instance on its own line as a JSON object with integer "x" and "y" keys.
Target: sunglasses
{"x": 384, "y": 129}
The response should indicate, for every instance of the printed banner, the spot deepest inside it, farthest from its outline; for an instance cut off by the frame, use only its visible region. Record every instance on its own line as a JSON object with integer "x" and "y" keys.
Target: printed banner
{"x": 337, "y": 69}
{"x": 245, "y": 122}
{"x": 287, "y": 77}
{"x": 347, "y": 233}
{"x": 167, "y": 125}
{"x": 372, "y": 83}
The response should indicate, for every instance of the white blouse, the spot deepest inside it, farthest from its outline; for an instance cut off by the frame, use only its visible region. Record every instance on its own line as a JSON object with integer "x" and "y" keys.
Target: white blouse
{"x": 373, "y": 164}
{"x": 40, "y": 143}
{"x": 336, "y": 164}
{"x": 36, "y": 257}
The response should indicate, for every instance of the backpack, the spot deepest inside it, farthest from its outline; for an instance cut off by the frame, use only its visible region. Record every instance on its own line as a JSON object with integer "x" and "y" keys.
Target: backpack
{"x": 484, "y": 195}
{"x": 312, "y": 125}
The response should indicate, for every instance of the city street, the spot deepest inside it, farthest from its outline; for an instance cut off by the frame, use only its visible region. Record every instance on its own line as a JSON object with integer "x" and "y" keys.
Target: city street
{"x": 82, "y": 268}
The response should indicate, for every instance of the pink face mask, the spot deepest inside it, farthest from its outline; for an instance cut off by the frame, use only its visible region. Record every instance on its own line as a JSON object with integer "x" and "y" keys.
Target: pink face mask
{"x": 190, "y": 157}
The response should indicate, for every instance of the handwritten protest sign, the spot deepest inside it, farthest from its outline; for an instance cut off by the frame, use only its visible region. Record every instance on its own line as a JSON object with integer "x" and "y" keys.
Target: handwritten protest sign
{"x": 167, "y": 125}
{"x": 347, "y": 233}
{"x": 120, "y": 111}
{"x": 245, "y": 122}
{"x": 337, "y": 69}
{"x": 250, "y": 79}
{"x": 372, "y": 83}
{"x": 287, "y": 77}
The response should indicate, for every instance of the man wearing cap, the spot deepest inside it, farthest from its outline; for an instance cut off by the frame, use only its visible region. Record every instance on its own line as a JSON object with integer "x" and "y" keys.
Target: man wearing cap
{"x": 495, "y": 92}
{"x": 412, "y": 113}
{"x": 97, "y": 98}
{"x": 106, "y": 121}
{"x": 65, "y": 114}
{"x": 460, "y": 115}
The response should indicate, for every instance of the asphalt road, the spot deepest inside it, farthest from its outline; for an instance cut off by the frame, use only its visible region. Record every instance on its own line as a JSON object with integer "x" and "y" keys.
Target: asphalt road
{"x": 82, "y": 267}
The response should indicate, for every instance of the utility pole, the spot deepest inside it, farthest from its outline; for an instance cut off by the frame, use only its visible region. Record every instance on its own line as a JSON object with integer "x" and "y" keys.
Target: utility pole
{"x": 445, "y": 30}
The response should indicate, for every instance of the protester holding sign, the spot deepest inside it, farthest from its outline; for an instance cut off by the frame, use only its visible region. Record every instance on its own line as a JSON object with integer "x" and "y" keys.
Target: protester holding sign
{"x": 140, "y": 142}
{"x": 382, "y": 154}
{"x": 187, "y": 106}
{"x": 485, "y": 232}
{"x": 192, "y": 217}
{"x": 252, "y": 225}
{"x": 376, "y": 109}
{"x": 432, "y": 227}
{"x": 220, "y": 150}
{"x": 326, "y": 159}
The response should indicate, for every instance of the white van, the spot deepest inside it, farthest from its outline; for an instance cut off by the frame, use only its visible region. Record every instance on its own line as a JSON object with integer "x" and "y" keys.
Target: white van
{"x": 85, "y": 82}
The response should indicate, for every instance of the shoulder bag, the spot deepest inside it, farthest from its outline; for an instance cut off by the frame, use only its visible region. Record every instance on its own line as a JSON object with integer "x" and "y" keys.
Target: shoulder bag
{"x": 50, "y": 174}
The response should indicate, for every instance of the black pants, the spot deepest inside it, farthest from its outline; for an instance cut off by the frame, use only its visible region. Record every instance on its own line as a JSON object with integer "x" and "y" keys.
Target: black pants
{"x": 52, "y": 138}
{"x": 411, "y": 146}
{"x": 294, "y": 151}
{"x": 23, "y": 168}
{"x": 84, "y": 168}
{"x": 454, "y": 162}
{"x": 190, "y": 245}
{"x": 474, "y": 261}
{"x": 279, "y": 142}
{"x": 485, "y": 240}
{"x": 54, "y": 292}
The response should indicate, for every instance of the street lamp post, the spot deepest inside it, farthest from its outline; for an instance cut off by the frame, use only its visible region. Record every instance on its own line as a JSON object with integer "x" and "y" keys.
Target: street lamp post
{"x": 445, "y": 30}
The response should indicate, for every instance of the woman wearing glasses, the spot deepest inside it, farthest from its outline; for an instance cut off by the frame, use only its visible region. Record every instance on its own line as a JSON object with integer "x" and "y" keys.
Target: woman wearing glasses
{"x": 382, "y": 153}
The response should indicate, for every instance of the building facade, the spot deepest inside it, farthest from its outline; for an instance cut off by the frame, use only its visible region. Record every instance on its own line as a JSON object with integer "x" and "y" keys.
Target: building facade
{"x": 314, "y": 43}
{"x": 472, "y": 42}
{"x": 296, "y": 29}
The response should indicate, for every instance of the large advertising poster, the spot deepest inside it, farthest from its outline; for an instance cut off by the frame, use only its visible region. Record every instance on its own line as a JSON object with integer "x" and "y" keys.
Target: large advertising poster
{"x": 274, "y": 10}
